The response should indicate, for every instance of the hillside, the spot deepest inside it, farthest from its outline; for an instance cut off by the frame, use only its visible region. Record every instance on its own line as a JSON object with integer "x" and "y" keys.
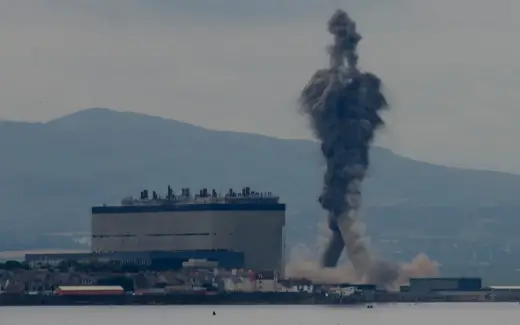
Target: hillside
{"x": 51, "y": 173}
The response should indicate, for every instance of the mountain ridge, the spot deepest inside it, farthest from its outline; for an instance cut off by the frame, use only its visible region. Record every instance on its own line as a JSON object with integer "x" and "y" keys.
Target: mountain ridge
{"x": 95, "y": 111}
{"x": 52, "y": 172}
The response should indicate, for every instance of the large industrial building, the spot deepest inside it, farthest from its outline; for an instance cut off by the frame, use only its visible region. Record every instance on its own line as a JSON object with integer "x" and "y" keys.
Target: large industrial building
{"x": 241, "y": 229}
{"x": 429, "y": 285}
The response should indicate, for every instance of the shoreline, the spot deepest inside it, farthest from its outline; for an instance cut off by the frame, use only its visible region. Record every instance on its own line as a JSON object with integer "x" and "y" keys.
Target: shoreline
{"x": 233, "y": 298}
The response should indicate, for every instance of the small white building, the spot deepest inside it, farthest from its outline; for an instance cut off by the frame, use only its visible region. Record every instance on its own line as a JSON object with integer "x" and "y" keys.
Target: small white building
{"x": 199, "y": 264}
{"x": 345, "y": 292}
{"x": 266, "y": 281}
{"x": 498, "y": 293}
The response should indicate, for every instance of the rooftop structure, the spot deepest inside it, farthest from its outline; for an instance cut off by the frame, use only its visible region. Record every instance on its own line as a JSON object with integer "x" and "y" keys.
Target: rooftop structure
{"x": 205, "y": 200}
{"x": 246, "y": 195}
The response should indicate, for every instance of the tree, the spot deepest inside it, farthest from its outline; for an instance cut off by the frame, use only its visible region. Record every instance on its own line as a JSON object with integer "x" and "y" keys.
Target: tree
{"x": 14, "y": 265}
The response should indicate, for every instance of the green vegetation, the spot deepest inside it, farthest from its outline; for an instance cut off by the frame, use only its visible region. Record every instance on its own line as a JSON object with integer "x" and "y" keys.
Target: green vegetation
{"x": 14, "y": 265}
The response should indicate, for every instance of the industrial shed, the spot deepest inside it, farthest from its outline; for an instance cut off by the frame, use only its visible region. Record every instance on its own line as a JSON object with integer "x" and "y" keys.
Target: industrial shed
{"x": 236, "y": 230}
{"x": 89, "y": 290}
{"x": 152, "y": 260}
{"x": 504, "y": 293}
{"x": 427, "y": 285}
{"x": 247, "y": 221}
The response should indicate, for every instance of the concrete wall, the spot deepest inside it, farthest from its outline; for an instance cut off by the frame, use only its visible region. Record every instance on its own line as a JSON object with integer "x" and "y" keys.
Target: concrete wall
{"x": 258, "y": 234}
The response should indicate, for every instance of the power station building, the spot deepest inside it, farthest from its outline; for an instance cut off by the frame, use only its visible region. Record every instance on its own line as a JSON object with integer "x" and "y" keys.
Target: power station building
{"x": 244, "y": 229}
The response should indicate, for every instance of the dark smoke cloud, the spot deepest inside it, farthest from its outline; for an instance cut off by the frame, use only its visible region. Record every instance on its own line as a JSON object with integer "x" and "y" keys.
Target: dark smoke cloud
{"x": 343, "y": 104}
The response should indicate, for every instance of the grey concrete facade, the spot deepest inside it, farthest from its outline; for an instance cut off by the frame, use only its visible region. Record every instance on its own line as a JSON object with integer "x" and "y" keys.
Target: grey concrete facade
{"x": 256, "y": 233}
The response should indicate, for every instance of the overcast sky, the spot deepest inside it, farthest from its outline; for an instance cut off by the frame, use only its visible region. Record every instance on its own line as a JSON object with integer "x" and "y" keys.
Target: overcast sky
{"x": 450, "y": 66}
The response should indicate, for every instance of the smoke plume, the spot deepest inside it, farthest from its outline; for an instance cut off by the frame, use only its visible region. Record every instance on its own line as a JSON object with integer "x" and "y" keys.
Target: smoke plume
{"x": 343, "y": 105}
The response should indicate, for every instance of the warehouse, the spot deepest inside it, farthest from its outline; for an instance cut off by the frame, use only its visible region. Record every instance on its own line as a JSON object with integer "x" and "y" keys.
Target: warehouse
{"x": 159, "y": 260}
{"x": 428, "y": 285}
{"x": 251, "y": 223}
{"x": 237, "y": 230}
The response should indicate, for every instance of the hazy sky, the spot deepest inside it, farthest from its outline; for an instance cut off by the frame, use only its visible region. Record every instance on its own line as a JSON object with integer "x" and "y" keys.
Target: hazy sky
{"x": 450, "y": 66}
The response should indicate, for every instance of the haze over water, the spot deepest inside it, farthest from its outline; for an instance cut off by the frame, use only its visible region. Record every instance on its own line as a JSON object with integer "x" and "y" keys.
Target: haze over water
{"x": 424, "y": 314}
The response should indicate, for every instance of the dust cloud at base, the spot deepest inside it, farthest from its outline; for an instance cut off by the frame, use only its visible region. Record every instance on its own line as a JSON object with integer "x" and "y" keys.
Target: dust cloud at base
{"x": 305, "y": 262}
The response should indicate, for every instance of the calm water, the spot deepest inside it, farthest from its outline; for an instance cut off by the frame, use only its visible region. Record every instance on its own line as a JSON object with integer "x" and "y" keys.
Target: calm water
{"x": 444, "y": 314}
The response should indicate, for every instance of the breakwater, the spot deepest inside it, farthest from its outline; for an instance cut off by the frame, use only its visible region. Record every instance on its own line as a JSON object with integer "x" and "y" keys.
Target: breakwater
{"x": 249, "y": 298}
{"x": 234, "y": 298}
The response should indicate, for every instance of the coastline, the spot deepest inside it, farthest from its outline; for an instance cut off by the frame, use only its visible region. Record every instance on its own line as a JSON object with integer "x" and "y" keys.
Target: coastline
{"x": 260, "y": 298}
{"x": 232, "y": 298}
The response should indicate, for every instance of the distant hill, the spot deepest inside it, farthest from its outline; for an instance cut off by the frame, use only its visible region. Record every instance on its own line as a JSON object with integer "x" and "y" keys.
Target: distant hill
{"x": 51, "y": 173}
